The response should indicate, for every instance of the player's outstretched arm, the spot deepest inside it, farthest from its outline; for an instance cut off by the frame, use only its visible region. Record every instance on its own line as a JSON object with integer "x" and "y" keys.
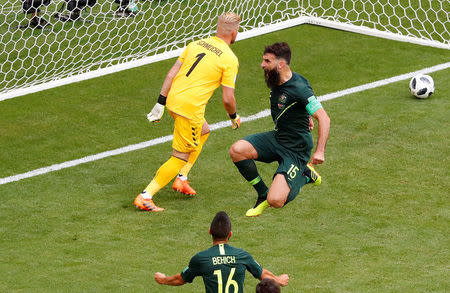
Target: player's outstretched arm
{"x": 324, "y": 128}
{"x": 167, "y": 84}
{"x": 157, "y": 111}
{"x": 175, "y": 280}
{"x": 282, "y": 279}
{"x": 229, "y": 103}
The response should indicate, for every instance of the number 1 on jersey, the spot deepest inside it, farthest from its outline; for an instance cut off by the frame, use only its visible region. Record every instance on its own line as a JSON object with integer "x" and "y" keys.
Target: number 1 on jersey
{"x": 199, "y": 57}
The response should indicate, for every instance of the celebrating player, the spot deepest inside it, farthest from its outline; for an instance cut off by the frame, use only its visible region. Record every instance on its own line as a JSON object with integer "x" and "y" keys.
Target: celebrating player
{"x": 221, "y": 266}
{"x": 292, "y": 103}
{"x": 203, "y": 66}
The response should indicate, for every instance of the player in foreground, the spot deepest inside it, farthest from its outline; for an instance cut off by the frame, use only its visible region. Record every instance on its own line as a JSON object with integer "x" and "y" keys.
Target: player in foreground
{"x": 222, "y": 266}
{"x": 203, "y": 66}
{"x": 292, "y": 103}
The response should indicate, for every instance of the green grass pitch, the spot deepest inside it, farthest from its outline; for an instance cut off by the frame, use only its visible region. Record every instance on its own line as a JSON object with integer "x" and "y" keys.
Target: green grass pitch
{"x": 378, "y": 223}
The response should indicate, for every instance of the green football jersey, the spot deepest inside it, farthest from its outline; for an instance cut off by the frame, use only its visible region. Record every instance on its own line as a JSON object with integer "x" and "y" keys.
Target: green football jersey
{"x": 222, "y": 268}
{"x": 291, "y": 104}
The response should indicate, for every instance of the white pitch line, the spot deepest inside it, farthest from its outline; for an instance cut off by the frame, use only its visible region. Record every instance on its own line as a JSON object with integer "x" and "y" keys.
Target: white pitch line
{"x": 383, "y": 82}
{"x": 214, "y": 126}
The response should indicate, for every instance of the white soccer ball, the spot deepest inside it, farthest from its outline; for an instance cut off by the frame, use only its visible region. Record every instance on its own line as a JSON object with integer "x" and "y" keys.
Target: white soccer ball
{"x": 421, "y": 86}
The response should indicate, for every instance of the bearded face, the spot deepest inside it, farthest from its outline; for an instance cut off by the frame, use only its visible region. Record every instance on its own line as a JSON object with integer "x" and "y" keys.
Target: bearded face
{"x": 272, "y": 77}
{"x": 271, "y": 73}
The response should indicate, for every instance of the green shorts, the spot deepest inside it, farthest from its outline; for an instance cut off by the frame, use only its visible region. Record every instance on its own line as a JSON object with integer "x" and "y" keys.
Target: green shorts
{"x": 291, "y": 164}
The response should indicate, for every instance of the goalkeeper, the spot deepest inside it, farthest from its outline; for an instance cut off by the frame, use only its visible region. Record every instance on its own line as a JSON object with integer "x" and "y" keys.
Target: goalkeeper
{"x": 292, "y": 103}
{"x": 203, "y": 66}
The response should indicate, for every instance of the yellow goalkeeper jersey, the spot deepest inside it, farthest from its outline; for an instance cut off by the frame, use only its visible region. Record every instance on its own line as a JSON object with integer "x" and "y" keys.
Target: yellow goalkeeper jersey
{"x": 207, "y": 64}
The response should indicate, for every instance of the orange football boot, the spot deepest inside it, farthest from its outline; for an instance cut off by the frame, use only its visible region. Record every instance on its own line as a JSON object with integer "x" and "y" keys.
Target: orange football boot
{"x": 183, "y": 187}
{"x": 146, "y": 204}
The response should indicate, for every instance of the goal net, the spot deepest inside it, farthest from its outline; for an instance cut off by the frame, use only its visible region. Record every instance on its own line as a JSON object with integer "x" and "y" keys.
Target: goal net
{"x": 46, "y": 43}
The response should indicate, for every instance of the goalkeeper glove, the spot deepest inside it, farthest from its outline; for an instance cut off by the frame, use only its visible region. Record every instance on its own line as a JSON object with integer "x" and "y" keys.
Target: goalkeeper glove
{"x": 158, "y": 110}
{"x": 235, "y": 120}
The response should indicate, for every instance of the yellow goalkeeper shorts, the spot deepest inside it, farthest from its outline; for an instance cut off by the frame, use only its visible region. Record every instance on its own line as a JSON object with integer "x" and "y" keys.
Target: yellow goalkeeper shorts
{"x": 186, "y": 135}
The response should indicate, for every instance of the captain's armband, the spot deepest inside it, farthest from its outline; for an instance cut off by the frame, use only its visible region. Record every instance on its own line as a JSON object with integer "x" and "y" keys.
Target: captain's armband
{"x": 313, "y": 105}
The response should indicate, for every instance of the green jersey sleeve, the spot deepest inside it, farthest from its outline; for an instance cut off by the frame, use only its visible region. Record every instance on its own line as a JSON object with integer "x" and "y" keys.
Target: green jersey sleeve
{"x": 191, "y": 271}
{"x": 253, "y": 267}
{"x": 306, "y": 96}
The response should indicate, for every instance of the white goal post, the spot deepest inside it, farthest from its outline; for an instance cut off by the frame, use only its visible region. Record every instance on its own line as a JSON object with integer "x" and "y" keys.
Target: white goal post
{"x": 48, "y": 43}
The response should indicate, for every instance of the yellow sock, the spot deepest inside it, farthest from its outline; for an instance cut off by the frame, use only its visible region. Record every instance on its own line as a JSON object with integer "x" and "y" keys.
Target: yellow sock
{"x": 185, "y": 170}
{"x": 193, "y": 156}
{"x": 151, "y": 189}
{"x": 165, "y": 174}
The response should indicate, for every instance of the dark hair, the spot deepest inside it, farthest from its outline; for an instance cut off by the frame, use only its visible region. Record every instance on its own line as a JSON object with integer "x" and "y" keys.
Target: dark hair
{"x": 220, "y": 226}
{"x": 280, "y": 50}
{"x": 268, "y": 286}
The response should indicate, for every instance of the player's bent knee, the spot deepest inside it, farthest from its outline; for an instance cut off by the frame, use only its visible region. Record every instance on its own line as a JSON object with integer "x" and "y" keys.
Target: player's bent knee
{"x": 180, "y": 155}
{"x": 205, "y": 128}
{"x": 235, "y": 150}
{"x": 276, "y": 203}
{"x": 242, "y": 150}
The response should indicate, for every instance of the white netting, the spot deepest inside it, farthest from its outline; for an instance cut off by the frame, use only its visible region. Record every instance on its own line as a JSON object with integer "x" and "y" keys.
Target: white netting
{"x": 72, "y": 37}
{"x": 426, "y": 20}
